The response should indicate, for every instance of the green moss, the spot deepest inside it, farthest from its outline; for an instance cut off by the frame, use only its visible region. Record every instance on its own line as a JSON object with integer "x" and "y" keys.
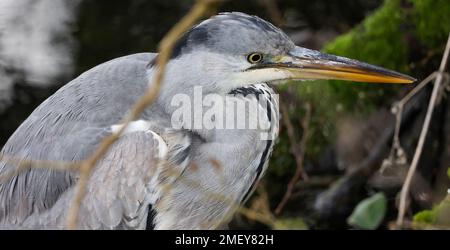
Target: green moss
{"x": 432, "y": 19}
{"x": 290, "y": 224}
{"x": 438, "y": 216}
{"x": 378, "y": 40}
{"x": 426, "y": 217}
{"x": 383, "y": 39}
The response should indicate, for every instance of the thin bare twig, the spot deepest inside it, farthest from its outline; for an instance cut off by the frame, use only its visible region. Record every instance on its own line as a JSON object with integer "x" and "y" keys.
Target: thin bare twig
{"x": 423, "y": 133}
{"x": 298, "y": 150}
{"x": 24, "y": 165}
{"x": 397, "y": 155}
{"x": 165, "y": 50}
{"x": 398, "y": 107}
{"x": 416, "y": 90}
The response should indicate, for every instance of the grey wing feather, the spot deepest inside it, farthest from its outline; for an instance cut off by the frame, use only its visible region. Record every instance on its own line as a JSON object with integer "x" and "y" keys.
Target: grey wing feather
{"x": 119, "y": 190}
{"x": 68, "y": 126}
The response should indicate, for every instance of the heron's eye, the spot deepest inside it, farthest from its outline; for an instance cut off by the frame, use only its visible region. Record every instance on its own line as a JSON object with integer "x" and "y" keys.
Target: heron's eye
{"x": 254, "y": 58}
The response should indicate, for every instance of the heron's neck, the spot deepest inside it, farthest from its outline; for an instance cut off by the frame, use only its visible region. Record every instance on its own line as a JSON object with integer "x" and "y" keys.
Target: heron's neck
{"x": 228, "y": 164}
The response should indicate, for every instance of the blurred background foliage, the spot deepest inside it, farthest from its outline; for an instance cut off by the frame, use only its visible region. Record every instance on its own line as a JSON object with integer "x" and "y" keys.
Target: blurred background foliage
{"x": 347, "y": 120}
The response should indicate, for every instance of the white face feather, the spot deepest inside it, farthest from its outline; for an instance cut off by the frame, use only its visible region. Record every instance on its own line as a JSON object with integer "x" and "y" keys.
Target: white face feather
{"x": 256, "y": 76}
{"x": 215, "y": 73}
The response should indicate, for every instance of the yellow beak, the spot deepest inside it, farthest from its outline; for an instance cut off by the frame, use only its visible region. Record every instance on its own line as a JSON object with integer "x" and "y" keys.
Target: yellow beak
{"x": 305, "y": 64}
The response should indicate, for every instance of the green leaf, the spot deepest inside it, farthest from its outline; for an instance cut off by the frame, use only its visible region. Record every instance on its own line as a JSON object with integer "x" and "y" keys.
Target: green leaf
{"x": 369, "y": 213}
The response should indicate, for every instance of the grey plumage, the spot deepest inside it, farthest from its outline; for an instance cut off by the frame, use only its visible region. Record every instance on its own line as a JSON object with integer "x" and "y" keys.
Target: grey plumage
{"x": 154, "y": 165}
{"x": 72, "y": 136}
{"x": 213, "y": 34}
{"x": 68, "y": 127}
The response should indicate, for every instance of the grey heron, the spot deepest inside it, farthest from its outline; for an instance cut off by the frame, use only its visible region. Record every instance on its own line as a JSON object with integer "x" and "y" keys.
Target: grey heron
{"x": 229, "y": 55}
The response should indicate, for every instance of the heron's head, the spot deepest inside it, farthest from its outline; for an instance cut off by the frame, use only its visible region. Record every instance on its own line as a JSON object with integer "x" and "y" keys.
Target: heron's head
{"x": 232, "y": 50}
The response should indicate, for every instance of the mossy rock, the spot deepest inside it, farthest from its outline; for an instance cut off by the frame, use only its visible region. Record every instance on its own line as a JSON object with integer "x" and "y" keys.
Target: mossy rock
{"x": 383, "y": 39}
{"x": 432, "y": 20}
{"x": 438, "y": 217}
